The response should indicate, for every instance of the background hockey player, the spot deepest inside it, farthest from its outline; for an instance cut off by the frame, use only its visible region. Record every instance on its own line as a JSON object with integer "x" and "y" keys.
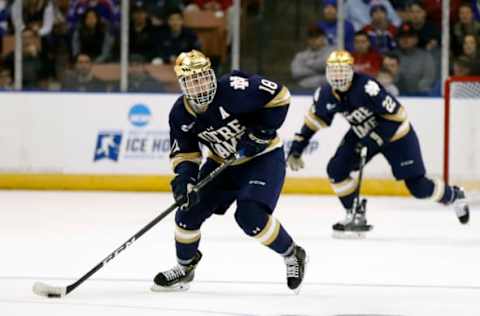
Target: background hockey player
{"x": 379, "y": 123}
{"x": 238, "y": 114}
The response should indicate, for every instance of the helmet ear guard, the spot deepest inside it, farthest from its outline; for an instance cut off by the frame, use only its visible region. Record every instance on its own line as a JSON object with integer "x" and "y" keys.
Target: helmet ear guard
{"x": 339, "y": 70}
{"x": 196, "y": 78}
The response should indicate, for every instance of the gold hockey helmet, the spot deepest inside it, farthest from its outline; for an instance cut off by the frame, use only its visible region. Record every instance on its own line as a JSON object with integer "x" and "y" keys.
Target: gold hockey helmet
{"x": 340, "y": 70}
{"x": 196, "y": 78}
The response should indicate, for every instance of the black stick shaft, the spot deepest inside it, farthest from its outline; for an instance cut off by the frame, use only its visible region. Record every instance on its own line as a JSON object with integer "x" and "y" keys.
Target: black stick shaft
{"x": 147, "y": 227}
{"x": 363, "y": 160}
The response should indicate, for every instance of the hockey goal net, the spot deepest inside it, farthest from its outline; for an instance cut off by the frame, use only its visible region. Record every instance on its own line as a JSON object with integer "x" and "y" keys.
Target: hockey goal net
{"x": 462, "y": 132}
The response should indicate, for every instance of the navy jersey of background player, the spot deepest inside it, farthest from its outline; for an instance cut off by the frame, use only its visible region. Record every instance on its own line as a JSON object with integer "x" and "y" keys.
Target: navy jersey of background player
{"x": 241, "y": 101}
{"x": 379, "y": 123}
{"x": 367, "y": 106}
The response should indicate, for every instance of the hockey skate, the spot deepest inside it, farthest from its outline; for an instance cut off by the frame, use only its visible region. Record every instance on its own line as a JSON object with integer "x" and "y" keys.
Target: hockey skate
{"x": 296, "y": 264}
{"x": 355, "y": 225}
{"x": 178, "y": 278}
{"x": 462, "y": 210}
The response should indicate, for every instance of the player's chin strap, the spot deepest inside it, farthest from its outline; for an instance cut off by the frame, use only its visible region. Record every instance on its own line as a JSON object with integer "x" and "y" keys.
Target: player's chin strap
{"x": 50, "y": 291}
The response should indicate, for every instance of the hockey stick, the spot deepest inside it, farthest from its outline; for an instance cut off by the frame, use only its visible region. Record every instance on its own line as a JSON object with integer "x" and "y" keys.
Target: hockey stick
{"x": 356, "y": 202}
{"x": 46, "y": 290}
{"x": 363, "y": 161}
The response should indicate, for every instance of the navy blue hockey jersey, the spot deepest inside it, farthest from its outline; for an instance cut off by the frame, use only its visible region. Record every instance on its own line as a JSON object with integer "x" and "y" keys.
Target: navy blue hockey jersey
{"x": 241, "y": 101}
{"x": 370, "y": 110}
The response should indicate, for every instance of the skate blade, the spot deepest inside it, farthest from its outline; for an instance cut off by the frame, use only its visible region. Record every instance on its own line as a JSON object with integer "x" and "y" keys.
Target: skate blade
{"x": 297, "y": 290}
{"x": 180, "y": 287}
{"x": 348, "y": 235}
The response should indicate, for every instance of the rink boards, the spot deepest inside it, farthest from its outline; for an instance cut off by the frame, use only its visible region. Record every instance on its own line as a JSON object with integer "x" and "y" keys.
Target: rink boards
{"x": 121, "y": 142}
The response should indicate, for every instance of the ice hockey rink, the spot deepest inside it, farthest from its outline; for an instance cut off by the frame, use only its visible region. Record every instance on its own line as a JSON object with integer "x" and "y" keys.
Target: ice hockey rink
{"x": 418, "y": 260}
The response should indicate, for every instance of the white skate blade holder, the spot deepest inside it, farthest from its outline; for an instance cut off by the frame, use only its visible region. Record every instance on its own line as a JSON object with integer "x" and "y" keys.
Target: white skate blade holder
{"x": 349, "y": 234}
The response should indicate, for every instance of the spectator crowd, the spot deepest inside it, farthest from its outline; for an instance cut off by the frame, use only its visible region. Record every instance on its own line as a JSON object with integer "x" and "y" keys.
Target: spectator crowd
{"x": 398, "y": 42}
{"x": 63, "y": 40}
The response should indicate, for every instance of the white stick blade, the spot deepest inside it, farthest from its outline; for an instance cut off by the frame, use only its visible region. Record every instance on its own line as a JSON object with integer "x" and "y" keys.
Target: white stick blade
{"x": 46, "y": 290}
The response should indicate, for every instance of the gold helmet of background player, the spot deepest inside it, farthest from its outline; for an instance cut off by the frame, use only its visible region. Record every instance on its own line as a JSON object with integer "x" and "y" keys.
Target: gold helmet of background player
{"x": 340, "y": 70}
{"x": 196, "y": 78}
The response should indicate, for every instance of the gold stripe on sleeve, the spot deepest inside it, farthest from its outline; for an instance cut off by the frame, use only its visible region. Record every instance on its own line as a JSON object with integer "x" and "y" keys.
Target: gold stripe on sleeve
{"x": 314, "y": 122}
{"x": 402, "y": 130}
{"x": 281, "y": 99}
{"x": 195, "y": 157}
{"x": 400, "y": 116}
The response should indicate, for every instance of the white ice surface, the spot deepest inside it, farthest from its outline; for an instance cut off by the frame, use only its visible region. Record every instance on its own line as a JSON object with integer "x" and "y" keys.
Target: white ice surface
{"x": 418, "y": 260}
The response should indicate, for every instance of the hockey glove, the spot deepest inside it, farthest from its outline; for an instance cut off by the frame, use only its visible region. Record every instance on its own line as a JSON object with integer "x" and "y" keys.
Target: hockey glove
{"x": 182, "y": 186}
{"x": 254, "y": 142}
{"x": 373, "y": 142}
{"x": 294, "y": 159}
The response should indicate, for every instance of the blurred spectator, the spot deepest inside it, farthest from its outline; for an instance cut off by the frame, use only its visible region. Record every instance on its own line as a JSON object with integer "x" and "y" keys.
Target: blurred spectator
{"x": 174, "y": 38}
{"x": 387, "y": 81}
{"x": 6, "y": 80}
{"x": 139, "y": 79}
{"x": 36, "y": 15}
{"x": 401, "y": 7}
{"x": 391, "y": 64}
{"x": 428, "y": 33}
{"x": 329, "y": 25}
{"x": 158, "y": 9}
{"x": 366, "y": 59}
{"x": 308, "y": 66}
{"x": 466, "y": 25}
{"x": 92, "y": 37}
{"x": 434, "y": 9}
{"x": 82, "y": 78}
{"x": 462, "y": 66}
{"x": 59, "y": 41}
{"x": 36, "y": 66}
{"x": 417, "y": 69}
{"x": 212, "y": 5}
{"x": 106, "y": 9}
{"x": 4, "y": 17}
{"x": 470, "y": 51}
{"x": 476, "y": 9}
{"x": 220, "y": 8}
{"x": 381, "y": 32}
{"x": 397, "y": 4}
{"x": 358, "y": 12}
{"x": 142, "y": 34}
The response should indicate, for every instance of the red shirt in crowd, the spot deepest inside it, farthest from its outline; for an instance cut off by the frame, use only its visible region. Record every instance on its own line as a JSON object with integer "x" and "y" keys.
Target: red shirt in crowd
{"x": 225, "y": 4}
{"x": 368, "y": 63}
{"x": 434, "y": 10}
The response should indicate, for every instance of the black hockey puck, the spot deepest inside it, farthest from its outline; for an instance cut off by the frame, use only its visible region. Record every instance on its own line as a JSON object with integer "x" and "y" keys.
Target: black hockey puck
{"x": 52, "y": 295}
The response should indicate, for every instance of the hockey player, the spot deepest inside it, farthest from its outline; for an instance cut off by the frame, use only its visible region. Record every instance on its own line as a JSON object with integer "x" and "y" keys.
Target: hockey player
{"x": 240, "y": 114}
{"x": 379, "y": 123}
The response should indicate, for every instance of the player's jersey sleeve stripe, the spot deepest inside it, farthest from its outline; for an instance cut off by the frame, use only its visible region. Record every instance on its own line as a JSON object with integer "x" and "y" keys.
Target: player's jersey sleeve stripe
{"x": 400, "y": 116}
{"x": 281, "y": 99}
{"x": 402, "y": 130}
{"x": 345, "y": 187}
{"x": 195, "y": 157}
{"x": 186, "y": 236}
{"x": 314, "y": 122}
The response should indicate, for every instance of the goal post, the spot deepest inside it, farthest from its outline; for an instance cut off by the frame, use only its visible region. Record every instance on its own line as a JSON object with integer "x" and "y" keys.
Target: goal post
{"x": 461, "y": 154}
